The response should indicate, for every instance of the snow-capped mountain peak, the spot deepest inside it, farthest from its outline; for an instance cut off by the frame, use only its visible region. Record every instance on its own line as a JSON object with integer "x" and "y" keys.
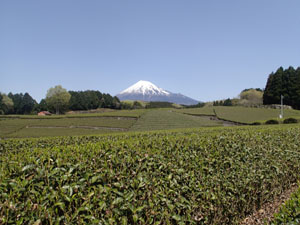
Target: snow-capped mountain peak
{"x": 145, "y": 88}
{"x": 148, "y": 92}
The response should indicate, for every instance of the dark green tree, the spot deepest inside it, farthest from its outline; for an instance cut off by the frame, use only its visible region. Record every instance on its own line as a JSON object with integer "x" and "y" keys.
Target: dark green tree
{"x": 27, "y": 104}
{"x": 286, "y": 83}
{"x": 227, "y": 102}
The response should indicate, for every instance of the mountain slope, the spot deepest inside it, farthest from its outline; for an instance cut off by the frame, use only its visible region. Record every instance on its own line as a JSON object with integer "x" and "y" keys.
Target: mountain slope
{"x": 147, "y": 91}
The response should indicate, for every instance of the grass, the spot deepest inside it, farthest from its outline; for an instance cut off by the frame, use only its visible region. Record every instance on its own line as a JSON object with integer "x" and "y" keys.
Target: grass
{"x": 162, "y": 119}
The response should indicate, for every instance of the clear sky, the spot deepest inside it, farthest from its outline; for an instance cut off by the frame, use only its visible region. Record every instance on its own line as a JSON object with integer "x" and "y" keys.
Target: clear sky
{"x": 207, "y": 50}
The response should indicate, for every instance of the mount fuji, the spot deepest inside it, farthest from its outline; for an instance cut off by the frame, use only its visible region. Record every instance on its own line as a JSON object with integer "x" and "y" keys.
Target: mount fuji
{"x": 149, "y": 92}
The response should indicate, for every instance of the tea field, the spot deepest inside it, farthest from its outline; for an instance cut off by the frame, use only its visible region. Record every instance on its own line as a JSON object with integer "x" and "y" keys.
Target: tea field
{"x": 187, "y": 176}
{"x": 246, "y": 115}
{"x": 290, "y": 212}
{"x": 65, "y": 125}
{"x": 163, "y": 119}
{"x": 99, "y": 123}
{"x": 251, "y": 115}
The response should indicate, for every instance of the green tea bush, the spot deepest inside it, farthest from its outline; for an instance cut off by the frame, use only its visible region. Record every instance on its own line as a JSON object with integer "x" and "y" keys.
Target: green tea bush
{"x": 272, "y": 122}
{"x": 290, "y": 120}
{"x": 207, "y": 176}
{"x": 290, "y": 211}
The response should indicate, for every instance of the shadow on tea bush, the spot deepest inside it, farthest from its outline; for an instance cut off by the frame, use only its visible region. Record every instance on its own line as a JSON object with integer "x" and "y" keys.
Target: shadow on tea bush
{"x": 290, "y": 120}
{"x": 272, "y": 122}
{"x": 256, "y": 123}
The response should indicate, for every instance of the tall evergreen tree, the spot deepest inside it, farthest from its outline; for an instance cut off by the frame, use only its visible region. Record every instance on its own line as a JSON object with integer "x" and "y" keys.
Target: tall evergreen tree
{"x": 286, "y": 83}
{"x": 27, "y": 104}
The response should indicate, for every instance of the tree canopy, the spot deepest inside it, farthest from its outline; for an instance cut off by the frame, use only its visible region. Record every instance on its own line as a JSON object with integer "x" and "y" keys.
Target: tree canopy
{"x": 58, "y": 98}
{"x": 286, "y": 83}
{"x": 251, "y": 96}
{"x": 6, "y": 104}
{"x": 22, "y": 103}
{"x": 86, "y": 100}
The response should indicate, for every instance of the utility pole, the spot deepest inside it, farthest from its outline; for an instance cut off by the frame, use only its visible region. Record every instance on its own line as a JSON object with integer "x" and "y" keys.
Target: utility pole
{"x": 281, "y": 114}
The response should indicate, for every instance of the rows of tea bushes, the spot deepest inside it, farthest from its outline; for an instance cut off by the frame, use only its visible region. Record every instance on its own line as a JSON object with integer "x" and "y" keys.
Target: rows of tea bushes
{"x": 205, "y": 176}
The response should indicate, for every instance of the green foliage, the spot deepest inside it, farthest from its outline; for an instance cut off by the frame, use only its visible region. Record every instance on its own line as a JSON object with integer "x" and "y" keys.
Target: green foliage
{"x": 6, "y": 104}
{"x": 58, "y": 98}
{"x": 22, "y": 103}
{"x": 42, "y": 106}
{"x": 290, "y": 211}
{"x": 137, "y": 105}
{"x": 208, "y": 176}
{"x": 256, "y": 89}
{"x": 227, "y": 102}
{"x": 256, "y": 123}
{"x": 1, "y": 105}
{"x": 249, "y": 97}
{"x": 153, "y": 105}
{"x": 199, "y": 105}
{"x": 86, "y": 100}
{"x": 272, "y": 122}
{"x": 286, "y": 83}
{"x": 290, "y": 120}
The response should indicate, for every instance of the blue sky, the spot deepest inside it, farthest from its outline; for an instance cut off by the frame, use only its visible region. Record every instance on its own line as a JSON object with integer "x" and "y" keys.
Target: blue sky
{"x": 207, "y": 50}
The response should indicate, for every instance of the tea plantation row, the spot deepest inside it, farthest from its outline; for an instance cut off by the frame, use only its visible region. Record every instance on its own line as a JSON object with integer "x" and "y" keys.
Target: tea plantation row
{"x": 290, "y": 212}
{"x": 200, "y": 176}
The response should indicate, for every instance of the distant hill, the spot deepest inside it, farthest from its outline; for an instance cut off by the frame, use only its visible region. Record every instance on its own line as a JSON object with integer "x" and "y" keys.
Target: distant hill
{"x": 147, "y": 91}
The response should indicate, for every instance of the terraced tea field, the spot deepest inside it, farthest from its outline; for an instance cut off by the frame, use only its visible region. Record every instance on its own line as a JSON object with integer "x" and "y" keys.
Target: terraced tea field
{"x": 163, "y": 119}
{"x": 189, "y": 176}
{"x": 239, "y": 114}
{"x": 84, "y": 124}
{"x": 64, "y": 125}
{"x": 250, "y": 115}
{"x": 133, "y": 120}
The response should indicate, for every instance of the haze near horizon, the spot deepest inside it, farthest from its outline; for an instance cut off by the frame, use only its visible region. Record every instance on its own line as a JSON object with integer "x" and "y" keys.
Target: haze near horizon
{"x": 204, "y": 50}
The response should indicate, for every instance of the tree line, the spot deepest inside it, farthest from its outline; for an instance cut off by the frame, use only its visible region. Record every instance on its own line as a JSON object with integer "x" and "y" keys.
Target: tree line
{"x": 57, "y": 100}
{"x": 286, "y": 83}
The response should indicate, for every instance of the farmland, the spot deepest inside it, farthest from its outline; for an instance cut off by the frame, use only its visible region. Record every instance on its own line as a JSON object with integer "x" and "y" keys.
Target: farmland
{"x": 207, "y": 176}
{"x": 17, "y": 126}
{"x": 172, "y": 166}
{"x": 70, "y": 124}
{"x": 162, "y": 119}
{"x": 108, "y": 122}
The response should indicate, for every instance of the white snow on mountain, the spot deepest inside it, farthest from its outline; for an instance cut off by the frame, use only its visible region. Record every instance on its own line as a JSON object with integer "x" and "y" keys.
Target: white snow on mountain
{"x": 145, "y": 88}
{"x": 148, "y": 92}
